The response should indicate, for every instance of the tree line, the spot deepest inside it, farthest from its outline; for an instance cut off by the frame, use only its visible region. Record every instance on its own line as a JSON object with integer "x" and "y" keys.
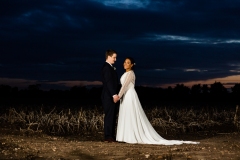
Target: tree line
{"x": 215, "y": 93}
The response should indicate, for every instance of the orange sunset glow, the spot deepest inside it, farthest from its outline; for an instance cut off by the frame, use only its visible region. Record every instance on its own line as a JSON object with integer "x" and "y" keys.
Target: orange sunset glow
{"x": 228, "y": 82}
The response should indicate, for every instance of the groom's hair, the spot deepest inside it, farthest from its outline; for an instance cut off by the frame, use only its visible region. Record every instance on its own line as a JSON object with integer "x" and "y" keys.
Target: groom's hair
{"x": 110, "y": 52}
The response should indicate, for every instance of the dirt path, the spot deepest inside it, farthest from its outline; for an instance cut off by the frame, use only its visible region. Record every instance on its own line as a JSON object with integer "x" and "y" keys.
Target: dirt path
{"x": 14, "y": 145}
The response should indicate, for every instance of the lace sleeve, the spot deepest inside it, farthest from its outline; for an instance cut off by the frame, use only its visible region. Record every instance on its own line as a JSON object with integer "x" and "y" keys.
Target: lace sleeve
{"x": 127, "y": 81}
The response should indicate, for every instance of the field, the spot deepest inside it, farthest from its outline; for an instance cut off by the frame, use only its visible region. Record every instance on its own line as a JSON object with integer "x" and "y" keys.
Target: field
{"x": 53, "y": 133}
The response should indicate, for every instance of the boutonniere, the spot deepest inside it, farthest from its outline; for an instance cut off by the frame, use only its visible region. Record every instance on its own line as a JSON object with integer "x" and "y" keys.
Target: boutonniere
{"x": 114, "y": 68}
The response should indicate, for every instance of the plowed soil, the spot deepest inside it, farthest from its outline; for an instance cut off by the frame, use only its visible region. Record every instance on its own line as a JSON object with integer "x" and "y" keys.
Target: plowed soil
{"x": 24, "y": 145}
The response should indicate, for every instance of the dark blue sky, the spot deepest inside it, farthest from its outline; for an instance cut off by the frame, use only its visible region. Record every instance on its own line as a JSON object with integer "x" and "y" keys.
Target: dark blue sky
{"x": 60, "y": 43}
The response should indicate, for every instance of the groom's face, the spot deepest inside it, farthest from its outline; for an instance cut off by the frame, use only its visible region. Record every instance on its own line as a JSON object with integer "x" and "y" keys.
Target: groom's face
{"x": 113, "y": 58}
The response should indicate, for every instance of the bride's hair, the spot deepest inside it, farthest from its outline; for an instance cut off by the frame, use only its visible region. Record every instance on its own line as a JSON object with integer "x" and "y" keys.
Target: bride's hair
{"x": 132, "y": 62}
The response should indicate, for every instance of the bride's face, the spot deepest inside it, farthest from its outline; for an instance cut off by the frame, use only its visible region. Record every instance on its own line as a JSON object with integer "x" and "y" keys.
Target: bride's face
{"x": 127, "y": 64}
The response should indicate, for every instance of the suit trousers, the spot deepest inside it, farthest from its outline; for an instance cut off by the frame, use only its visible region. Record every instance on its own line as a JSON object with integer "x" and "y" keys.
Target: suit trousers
{"x": 110, "y": 111}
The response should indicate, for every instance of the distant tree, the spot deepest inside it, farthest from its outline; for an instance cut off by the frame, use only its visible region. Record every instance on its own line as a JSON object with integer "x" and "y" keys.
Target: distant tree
{"x": 94, "y": 95}
{"x": 79, "y": 92}
{"x": 181, "y": 92}
{"x": 33, "y": 91}
{"x": 181, "y": 89}
{"x": 34, "y": 87}
{"x": 15, "y": 89}
{"x": 217, "y": 88}
{"x": 236, "y": 89}
{"x": 5, "y": 90}
{"x": 141, "y": 91}
{"x": 205, "y": 89}
{"x": 169, "y": 89}
{"x": 196, "y": 89}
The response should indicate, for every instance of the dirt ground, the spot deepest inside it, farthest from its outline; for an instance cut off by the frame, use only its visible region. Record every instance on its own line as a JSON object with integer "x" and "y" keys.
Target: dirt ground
{"x": 38, "y": 146}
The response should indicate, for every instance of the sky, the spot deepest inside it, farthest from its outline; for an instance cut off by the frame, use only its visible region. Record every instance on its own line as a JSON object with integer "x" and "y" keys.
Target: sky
{"x": 62, "y": 43}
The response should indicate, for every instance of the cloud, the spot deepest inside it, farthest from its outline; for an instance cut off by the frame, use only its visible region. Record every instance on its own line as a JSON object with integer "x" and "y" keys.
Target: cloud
{"x": 76, "y": 83}
{"x": 21, "y": 83}
{"x": 45, "y": 84}
{"x": 192, "y": 70}
{"x": 125, "y": 4}
{"x": 196, "y": 40}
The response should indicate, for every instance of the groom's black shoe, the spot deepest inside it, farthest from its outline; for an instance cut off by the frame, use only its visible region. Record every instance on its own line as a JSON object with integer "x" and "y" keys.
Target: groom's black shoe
{"x": 110, "y": 140}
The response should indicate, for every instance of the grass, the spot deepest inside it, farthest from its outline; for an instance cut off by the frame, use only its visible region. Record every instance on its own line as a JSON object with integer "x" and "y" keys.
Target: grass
{"x": 68, "y": 122}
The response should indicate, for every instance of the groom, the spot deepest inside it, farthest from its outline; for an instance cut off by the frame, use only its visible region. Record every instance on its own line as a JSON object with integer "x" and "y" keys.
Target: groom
{"x": 109, "y": 95}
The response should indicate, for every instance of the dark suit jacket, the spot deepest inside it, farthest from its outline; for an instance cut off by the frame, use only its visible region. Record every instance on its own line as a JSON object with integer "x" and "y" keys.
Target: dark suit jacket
{"x": 110, "y": 81}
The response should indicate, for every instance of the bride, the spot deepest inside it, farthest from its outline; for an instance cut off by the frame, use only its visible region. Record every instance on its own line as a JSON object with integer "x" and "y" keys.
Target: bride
{"x": 133, "y": 125}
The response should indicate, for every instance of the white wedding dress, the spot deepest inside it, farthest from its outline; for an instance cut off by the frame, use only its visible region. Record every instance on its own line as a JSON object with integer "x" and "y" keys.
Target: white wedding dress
{"x": 133, "y": 125}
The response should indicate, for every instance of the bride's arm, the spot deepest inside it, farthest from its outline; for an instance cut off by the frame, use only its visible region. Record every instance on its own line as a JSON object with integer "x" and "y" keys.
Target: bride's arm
{"x": 125, "y": 84}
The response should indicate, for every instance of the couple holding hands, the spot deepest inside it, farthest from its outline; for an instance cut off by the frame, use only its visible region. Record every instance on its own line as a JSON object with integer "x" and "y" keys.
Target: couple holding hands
{"x": 133, "y": 126}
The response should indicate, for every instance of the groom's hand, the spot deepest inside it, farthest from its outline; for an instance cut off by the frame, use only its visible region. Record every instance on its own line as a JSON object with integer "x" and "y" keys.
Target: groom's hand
{"x": 115, "y": 98}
